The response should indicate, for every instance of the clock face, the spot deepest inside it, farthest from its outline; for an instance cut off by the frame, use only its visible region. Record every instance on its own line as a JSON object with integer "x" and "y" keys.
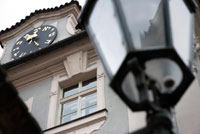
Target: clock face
{"x": 34, "y": 40}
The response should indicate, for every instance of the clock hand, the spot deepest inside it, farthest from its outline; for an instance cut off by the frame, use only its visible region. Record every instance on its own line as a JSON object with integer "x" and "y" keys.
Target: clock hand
{"x": 30, "y": 42}
{"x": 29, "y": 37}
{"x": 34, "y": 35}
{"x": 37, "y": 44}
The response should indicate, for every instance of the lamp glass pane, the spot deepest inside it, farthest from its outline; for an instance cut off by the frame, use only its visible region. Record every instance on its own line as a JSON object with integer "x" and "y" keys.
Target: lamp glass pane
{"x": 134, "y": 94}
{"x": 165, "y": 72}
{"x": 104, "y": 30}
{"x": 182, "y": 30}
{"x": 129, "y": 88}
{"x": 145, "y": 20}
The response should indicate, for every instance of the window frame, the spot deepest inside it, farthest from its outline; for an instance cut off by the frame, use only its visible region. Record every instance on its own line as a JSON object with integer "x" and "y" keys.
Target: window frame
{"x": 69, "y": 78}
{"x": 77, "y": 96}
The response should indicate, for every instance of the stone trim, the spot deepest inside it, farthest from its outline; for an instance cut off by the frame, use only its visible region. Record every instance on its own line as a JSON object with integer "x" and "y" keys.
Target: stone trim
{"x": 83, "y": 125}
{"x": 71, "y": 24}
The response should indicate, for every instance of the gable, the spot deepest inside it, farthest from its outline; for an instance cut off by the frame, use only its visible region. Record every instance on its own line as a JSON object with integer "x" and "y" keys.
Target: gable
{"x": 38, "y": 16}
{"x": 63, "y": 18}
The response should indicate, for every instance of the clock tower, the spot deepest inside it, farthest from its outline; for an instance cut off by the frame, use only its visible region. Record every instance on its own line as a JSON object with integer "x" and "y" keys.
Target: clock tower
{"x": 56, "y": 70}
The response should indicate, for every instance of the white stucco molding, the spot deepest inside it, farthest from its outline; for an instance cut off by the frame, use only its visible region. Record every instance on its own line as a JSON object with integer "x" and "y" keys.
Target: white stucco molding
{"x": 74, "y": 63}
{"x": 53, "y": 102}
{"x": 3, "y": 51}
{"x": 55, "y": 24}
{"x": 83, "y": 125}
{"x": 71, "y": 24}
{"x": 100, "y": 86}
{"x": 29, "y": 103}
{"x": 38, "y": 24}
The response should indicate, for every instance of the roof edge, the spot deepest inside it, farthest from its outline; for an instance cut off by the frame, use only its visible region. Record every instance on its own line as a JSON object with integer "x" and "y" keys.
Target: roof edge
{"x": 36, "y": 12}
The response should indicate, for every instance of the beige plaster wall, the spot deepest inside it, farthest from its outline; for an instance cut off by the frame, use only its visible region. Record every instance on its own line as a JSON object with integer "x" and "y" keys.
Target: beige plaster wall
{"x": 188, "y": 111}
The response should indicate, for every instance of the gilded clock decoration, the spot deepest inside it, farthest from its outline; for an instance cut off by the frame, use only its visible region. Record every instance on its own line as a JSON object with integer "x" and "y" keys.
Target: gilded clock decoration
{"x": 34, "y": 40}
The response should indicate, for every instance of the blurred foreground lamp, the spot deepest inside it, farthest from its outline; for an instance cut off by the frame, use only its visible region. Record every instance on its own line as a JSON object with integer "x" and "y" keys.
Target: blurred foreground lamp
{"x": 143, "y": 44}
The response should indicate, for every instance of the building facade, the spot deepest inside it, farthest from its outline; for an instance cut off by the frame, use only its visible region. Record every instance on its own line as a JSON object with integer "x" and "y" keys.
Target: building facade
{"x": 61, "y": 80}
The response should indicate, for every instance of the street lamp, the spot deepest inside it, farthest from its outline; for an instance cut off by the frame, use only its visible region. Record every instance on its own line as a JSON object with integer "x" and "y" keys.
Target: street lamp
{"x": 145, "y": 47}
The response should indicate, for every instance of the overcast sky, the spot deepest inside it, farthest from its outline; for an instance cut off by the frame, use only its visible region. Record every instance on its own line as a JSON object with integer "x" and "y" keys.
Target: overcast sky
{"x": 12, "y": 11}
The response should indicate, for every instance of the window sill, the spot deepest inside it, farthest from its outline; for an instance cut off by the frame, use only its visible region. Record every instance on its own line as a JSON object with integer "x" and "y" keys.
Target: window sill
{"x": 86, "y": 124}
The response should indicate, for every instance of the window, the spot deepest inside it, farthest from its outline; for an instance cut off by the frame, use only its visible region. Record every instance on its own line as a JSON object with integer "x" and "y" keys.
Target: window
{"x": 79, "y": 100}
{"x": 76, "y": 93}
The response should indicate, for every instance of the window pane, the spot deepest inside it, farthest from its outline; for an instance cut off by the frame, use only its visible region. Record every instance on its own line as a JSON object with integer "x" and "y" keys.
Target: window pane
{"x": 89, "y": 84}
{"x": 70, "y": 107}
{"x": 89, "y": 100}
{"x": 69, "y": 118}
{"x": 70, "y": 91}
{"x": 88, "y": 110}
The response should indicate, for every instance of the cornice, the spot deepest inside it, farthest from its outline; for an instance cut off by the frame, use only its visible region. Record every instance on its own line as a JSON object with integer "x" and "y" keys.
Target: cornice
{"x": 58, "y": 45}
{"x": 48, "y": 65}
{"x": 86, "y": 124}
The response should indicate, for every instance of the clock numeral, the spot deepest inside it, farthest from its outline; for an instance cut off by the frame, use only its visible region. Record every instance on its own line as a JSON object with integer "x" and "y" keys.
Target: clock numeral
{"x": 19, "y": 42}
{"x": 22, "y": 54}
{"x": 15, "y": 54}
{"x": 17, "y": 48}
{"x": 52, "y": 29}
{"x": 47, "y": 41}
{"x": 36, "y": 30}
{"x": 51, "y": 34}
{"x": 46, "y": 28}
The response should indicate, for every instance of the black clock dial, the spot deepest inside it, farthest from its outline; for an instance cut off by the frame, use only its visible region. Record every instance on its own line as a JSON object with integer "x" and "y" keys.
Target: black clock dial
{"x": 34, "y": 40}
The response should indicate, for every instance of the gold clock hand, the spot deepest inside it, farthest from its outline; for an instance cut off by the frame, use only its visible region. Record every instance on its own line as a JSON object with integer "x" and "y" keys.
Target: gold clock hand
{"x": 30, "y": 42}
{"x": 37, "y": 44}
{"x": 29, "y": 37}
{"x": 34, "y": 35}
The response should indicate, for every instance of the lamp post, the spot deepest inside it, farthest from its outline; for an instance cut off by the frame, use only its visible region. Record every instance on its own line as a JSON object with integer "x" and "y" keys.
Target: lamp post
{"x": 145, "y": 47}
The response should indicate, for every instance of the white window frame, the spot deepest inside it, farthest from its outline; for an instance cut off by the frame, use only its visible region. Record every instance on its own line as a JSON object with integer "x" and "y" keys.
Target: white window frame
{"x": 77, "y": 96}
{"x": 77, "y": 60}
